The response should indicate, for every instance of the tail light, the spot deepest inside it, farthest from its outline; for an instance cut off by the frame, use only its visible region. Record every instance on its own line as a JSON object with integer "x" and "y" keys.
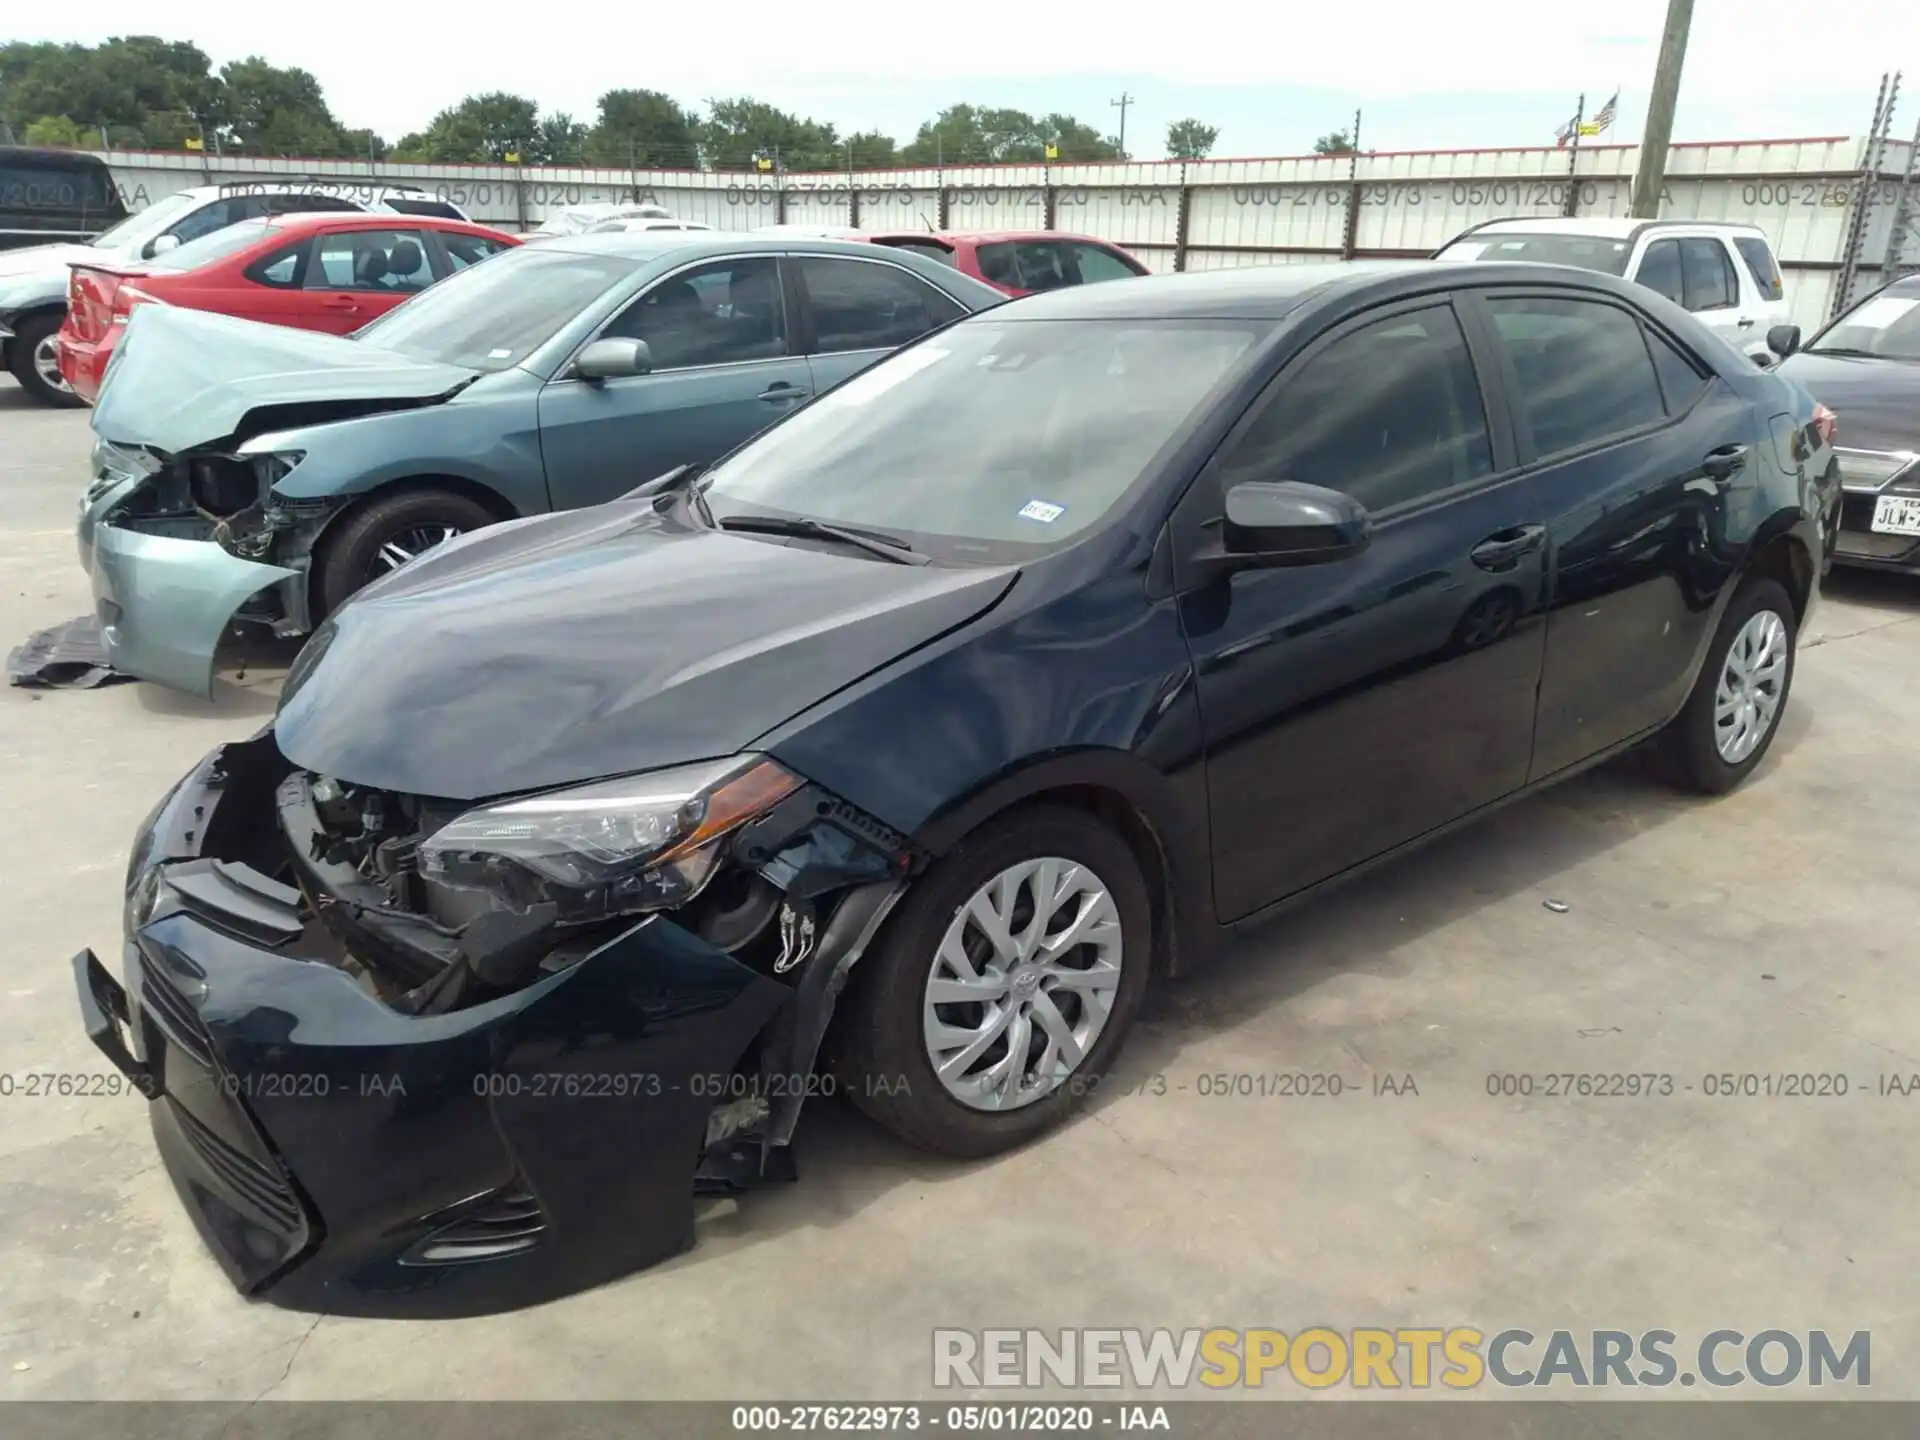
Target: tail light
{"x": 1826, "y": 424}
{"x": 128, "y": 296}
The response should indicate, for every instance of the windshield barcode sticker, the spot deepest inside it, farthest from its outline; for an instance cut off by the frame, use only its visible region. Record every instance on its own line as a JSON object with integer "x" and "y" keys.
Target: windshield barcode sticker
{"x": 1043, "y": 512}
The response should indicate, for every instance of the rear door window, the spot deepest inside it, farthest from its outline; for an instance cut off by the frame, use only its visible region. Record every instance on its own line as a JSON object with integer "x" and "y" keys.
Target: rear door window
{"x": 1585, "y": 375}
{"x": 1096, "y": 262}
{"x": 1706, "y": 270}
{"x": 1758, "y": 256}
{"x": 869, "y": 305}
{"x": 1028, "y": 264}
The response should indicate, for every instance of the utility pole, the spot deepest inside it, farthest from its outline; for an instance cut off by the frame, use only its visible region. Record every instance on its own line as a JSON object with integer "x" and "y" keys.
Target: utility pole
{"x": 1122, "y": 103}
{"x": 1649, "y": 176}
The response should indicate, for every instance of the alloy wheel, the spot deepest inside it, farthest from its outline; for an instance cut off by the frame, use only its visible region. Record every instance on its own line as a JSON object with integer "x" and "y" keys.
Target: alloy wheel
{"x": 46, "y": 364}
{"x": 408, "y": 545}
{"x": 1746, "y": 701}
{"x": 1022, "y": 984}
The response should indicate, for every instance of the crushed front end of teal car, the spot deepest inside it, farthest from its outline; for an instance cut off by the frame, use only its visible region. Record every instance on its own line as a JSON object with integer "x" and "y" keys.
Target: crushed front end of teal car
{"x": 179, "y": 528}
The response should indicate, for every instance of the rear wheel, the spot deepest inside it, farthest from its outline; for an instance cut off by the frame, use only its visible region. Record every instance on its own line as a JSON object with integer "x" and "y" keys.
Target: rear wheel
{"x": 1730, "y": 719}
{"x": 386, "y": 533}
{"x": 35, "y": 361}
{"x": 1003, "y": 986}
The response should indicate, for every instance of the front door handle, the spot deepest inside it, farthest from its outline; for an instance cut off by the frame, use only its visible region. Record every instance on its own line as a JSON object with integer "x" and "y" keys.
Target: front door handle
{"x": 1746, "y": 322}
{"x": 341, "y": 302}
{"x": 1507, "y": 548}
{"x": 1723, "y": 464}
{"x": 780, "y": 390}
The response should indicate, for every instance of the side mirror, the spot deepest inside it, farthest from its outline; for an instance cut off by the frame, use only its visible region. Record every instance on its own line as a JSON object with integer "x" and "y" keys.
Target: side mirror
{"x": 1289, "y": 523}
{"x": 161, "y": 244}
{"x": 613, "y": 360}
{"x": 1783, "y": 340}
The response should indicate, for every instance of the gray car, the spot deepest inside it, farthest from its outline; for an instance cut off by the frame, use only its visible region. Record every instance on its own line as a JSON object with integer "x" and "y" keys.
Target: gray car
{"x": 262, "y": 474}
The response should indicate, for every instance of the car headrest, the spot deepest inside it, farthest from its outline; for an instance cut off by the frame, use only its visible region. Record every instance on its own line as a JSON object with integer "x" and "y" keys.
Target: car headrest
{"x": 369, "y": 266}
{"x": 403, "y": 258}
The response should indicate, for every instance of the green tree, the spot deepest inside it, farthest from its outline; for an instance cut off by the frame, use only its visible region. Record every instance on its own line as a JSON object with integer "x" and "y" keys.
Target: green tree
{"x": 53, "y": 132}
{"x": 137, "y": 90}
{"x": 559, "y": 140}
{"x": 275, "y": 111}
{"x": 974, "y": 135}
{"x": 1334, "y": 142}
{"x": 644, "y": 130}
{"x": 740, "y": 134}
{"x": 1191, "y": 139}
{"x": 870, "y": 150}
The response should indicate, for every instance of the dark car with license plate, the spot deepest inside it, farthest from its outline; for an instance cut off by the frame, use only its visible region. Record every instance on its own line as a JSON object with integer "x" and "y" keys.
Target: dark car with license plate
{"x": 1865, "y": 367}
{"x": 896, "y": 754}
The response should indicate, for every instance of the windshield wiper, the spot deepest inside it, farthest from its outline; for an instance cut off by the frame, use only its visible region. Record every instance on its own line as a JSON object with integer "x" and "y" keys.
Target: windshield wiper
{"x": 897, "y": 551}
{"x": 1852, "y": 354}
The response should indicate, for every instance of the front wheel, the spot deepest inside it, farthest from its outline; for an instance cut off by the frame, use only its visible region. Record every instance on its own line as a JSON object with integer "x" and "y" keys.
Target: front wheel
{"x": 1003, "y": 986}
{"x": 387, "y": 532}
{"x": 35, "y": 361}
{"x": 1723, "y": 732}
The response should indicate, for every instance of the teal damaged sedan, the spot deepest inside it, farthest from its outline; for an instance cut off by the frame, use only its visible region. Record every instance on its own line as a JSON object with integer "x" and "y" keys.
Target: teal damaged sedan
{"x": 255, "y": 474}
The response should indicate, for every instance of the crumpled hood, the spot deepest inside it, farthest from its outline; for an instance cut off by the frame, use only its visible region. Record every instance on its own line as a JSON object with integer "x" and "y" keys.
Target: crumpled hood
{"x": 49, "y": 260}
{"x": 183, "y": 378}
{"x": 1878, "y": 401}
{"x": 566, "y": 648}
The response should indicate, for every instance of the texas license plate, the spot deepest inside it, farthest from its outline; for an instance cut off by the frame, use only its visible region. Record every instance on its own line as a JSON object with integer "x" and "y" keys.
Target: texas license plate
{"x": 1897, "y": 515}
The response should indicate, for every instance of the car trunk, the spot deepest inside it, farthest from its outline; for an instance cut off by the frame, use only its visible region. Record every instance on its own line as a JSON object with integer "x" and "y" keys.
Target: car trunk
{"x": 96, "y": 294}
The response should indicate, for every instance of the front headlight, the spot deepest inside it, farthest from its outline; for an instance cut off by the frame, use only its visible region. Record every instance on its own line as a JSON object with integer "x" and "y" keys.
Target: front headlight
{"x": 642, "y": 842}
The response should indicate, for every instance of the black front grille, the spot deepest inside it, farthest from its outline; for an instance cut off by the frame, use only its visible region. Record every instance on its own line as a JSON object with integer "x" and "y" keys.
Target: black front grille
{"x": 173, "y": 1012}
{"x": 259, "y": 1186}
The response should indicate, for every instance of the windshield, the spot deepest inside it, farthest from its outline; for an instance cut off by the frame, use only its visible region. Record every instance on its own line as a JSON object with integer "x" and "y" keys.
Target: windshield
{"x": 143, "y": 225}
{"x": 992, "y": 440}
{"x": 1886, "y": 326}
{"x": 216, "y": 246}
{"x": 1588, "y": 252}
{"x": 491, "y": 317}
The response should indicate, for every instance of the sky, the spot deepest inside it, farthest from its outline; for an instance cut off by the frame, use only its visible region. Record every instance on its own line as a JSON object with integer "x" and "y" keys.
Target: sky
{"x": 1424, "y": 76}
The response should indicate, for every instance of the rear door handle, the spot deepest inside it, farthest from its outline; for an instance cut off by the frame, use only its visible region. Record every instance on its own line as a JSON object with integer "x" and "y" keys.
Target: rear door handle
{"x": 1746, "y": 322}
{"x": 781, "y": 390}
{"x": 1723, "y": 464}
{"x": 341, "y": 302}
{"x": 1507, "y": 548}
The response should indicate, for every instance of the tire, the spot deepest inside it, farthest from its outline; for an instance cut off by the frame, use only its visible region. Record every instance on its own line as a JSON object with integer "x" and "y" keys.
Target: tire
{"x": 884, "y": 1063}
{"x": 351, "y": 553}
{"x": 1690, "y": 750}
{"x": 27, "y": 340}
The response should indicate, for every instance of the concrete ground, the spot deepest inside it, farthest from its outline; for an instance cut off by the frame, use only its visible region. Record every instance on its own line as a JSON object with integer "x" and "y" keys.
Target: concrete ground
{"x": 1772, "y": 931}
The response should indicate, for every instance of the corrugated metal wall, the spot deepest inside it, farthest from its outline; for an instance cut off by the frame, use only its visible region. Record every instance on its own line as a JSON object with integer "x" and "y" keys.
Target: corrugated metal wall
{"x": 1199, "y": 215}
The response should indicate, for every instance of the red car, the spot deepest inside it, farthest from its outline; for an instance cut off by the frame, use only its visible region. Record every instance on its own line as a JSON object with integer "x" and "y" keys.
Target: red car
{"x": 1020, "y": 262}
{"x": 326, "y": 270}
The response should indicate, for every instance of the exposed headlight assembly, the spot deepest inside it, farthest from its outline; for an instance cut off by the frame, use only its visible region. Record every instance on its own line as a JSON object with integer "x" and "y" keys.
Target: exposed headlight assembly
{"x": 641, "y": 842}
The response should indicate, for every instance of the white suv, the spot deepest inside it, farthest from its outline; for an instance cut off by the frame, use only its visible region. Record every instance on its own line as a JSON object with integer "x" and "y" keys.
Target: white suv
{"x": 33, "y": 280}
{"x": 1725, "y": 274}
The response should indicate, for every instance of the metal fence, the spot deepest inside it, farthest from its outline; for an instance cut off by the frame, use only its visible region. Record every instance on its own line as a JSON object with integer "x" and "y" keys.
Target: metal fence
{"x": 1828, "y": 205}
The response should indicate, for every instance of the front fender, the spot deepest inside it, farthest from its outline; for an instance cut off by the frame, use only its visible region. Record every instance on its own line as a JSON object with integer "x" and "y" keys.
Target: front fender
{"x": 493, "y": 443}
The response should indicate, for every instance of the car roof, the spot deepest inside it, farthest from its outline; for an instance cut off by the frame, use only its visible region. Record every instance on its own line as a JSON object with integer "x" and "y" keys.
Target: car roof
{"x": 1269, "y": 292}
{"x": 373, "y": 220}
{"x": 652, "y": 244}
{"x": 1616, "y": 227}
{"x": 989, "y": 237}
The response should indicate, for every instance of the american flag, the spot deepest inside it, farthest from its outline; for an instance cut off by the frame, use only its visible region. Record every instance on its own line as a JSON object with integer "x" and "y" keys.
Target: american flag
{"x": 1604, "y": 116}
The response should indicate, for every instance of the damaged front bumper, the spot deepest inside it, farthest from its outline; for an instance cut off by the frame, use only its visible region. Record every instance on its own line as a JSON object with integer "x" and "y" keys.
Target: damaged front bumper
{"x": 340, "y": 1155}
{"x": 164, "y": 589}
